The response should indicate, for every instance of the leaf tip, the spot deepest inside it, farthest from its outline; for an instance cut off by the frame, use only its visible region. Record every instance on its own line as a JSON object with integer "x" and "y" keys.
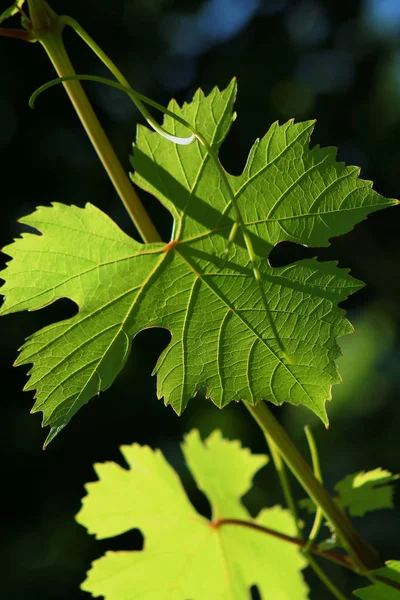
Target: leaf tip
{"x": 54, "y": 431}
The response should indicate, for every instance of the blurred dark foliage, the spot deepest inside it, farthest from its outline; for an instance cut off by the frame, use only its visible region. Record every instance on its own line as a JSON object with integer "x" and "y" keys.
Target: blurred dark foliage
{"x": 338, "y": 62}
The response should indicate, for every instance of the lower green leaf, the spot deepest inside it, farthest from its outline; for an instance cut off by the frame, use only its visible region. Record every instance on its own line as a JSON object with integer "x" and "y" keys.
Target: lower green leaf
{"x": 185, "y": 556}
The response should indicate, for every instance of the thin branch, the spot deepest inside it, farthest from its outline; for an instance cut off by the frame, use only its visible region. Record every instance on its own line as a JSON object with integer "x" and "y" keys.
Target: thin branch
{"x": 284, "y": 481}
{"x": 325, "y": 579}
{"x": 332, "y": 556}
{"x": 18, "y": 34}
{"x": 319, "y": 517}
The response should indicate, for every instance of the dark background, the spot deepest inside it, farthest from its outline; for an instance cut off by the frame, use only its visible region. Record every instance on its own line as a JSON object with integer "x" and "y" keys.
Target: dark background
{"x": 337, "y": 62}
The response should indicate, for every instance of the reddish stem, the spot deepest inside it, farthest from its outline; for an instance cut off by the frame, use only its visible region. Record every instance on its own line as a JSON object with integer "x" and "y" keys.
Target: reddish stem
{"x": 19, "y": 34}
{"x": 333, "y": 556}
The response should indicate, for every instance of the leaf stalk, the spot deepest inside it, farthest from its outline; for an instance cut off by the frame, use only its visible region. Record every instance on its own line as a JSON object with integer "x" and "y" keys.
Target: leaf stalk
{"x": 328, "y": 554}
{"x": 17, "y": 34}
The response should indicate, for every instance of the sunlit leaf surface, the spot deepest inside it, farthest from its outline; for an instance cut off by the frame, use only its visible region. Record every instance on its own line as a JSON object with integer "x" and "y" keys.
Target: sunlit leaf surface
{"x": 221, "y": 338}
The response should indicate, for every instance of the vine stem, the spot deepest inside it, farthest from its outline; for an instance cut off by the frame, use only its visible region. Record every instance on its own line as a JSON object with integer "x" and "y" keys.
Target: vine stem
{"x": 325, "y": 579}
{"x": 363, "y": 557}
{"x": 49, "y": 33}
{"x": 307, "y": 546}
{"x": 285, "y": 485}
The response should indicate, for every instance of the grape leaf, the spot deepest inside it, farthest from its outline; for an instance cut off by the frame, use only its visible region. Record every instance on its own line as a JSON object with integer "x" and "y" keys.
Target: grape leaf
{"x": 366, "y": 491}
{"x": 11, "y": 10}
{"x": 221, "y": 338}
{"x": 361, "y": 492}
{"x": 380, "y": 591}
{"x": 184, "y": 556}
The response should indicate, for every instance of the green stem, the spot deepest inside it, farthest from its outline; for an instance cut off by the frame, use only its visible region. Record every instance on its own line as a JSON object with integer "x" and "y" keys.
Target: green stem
{"x": 285, "y": 485}
{"x": 138, "y": 100}
{"x": 363, "y": 557}
{"x": 325, "y": 579}
{"x": 111, "y": 66}
{"x": 54, "y": 47}
{"x": 317, "y": 523}
{"x": 308, "y": 546}
{"x": 318, "y": 474}
{"x": 41, "y": 16}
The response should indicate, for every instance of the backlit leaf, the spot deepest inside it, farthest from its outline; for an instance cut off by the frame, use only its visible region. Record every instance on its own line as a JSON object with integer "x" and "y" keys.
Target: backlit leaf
{"x": 184, "y": 557}
{"x": 366, "y": 491}
{"x": 221, "y": 338}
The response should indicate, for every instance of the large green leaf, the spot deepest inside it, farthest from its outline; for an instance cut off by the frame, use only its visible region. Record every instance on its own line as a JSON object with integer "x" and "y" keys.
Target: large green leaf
{"x": 184, "y": 556}
{"x": 221, "y": 337}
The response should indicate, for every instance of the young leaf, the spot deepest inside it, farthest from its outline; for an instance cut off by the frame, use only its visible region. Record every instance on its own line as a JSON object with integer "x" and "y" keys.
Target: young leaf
{"x": 362, "y": 492}
{"x": 221, "y": 336}
{"x": 366, "y": 491}
{"x": 184, "y": 556}
{"x": 359, "y": 493}
{"x": 381, "y": 591}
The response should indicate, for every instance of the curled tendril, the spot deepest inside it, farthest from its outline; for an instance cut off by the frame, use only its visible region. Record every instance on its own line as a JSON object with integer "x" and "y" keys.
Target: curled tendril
{"x": 138, "y": 99}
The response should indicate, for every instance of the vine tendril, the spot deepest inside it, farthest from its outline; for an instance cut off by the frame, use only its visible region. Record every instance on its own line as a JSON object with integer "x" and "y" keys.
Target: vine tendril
{"x": 138, "y": 99}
